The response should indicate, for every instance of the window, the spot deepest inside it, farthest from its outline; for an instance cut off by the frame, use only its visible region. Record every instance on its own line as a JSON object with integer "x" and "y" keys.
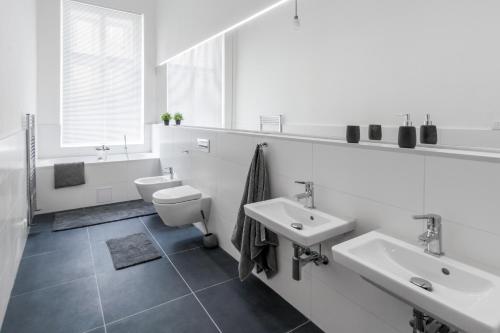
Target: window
{"x": 102, "y": 76}
{"x": 195, "y": 84}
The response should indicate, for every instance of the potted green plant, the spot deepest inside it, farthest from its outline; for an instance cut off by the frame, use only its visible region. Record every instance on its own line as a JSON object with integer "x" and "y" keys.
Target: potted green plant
{"x": 166, "y": 118}
{"x": 178, "y": 117}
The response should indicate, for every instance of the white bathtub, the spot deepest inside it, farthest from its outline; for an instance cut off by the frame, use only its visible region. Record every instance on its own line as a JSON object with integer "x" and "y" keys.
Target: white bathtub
{"x": 107, "y": 181}
{"x": 48, "y": 162}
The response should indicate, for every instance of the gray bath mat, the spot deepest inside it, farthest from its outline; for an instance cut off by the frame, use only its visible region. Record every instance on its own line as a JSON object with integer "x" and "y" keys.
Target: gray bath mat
{"x": 132, "y": 250}
{"x": 101, "y": 214}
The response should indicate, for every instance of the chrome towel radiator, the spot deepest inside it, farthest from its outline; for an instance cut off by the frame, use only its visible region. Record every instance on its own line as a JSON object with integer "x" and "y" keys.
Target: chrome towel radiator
{"x": 31, "y": 166}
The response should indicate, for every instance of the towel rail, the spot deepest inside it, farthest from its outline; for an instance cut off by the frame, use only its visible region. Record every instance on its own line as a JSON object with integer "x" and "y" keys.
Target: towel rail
{"x": 31, "y": 166}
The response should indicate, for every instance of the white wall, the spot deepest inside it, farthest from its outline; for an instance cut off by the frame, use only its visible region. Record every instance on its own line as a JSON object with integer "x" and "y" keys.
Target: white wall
{"x": 17, "y": 97}
{"x": 363, "y": 61}
{"x": 48, "y": 33}
{"x": 184, "y": 23}
{"x": 381, "y": 189}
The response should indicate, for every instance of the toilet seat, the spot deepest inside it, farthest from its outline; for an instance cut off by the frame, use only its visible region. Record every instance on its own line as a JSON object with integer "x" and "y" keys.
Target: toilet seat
{"x": 176, "y": 195}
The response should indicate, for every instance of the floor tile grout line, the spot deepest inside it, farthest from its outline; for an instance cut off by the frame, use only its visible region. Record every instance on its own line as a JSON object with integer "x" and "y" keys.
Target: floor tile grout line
{"x": 172, "y": 300}
{"x": 148, "y": 309}
{"x": 183, "y": 251}
{"x": 39, "y": 254}
{"x": 215, "y": 285}
{"x": 95, "y": 328}
{"x": 208, "y": 314}
{"x": 96, "y": 282}
{"x": 52, "y": 286}
{"x": 301, "y": 325}
{"x": 178, "y": 272}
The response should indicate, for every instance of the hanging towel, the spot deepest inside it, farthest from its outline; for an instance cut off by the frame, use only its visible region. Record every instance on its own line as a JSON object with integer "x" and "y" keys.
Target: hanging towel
{"x": 256, "y": 244}
{"x": 69, "y": 174}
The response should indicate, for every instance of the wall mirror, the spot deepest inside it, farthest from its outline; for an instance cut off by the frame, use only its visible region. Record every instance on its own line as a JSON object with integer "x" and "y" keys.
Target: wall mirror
{"x": 350, "y": 63}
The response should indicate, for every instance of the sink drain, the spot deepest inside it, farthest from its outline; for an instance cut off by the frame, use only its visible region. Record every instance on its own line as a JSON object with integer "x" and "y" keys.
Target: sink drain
{"x": 297, "y": 226}
{"x": 422, "y": 283}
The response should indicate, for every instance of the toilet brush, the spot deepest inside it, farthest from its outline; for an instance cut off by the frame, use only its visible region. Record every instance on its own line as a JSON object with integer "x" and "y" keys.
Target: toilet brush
{"x": 209, "y": 239}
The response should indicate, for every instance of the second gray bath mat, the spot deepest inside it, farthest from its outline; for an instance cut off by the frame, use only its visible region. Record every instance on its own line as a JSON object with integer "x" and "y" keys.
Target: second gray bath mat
{"x": 101, "y": 214}
{"x": 132, "y": 250}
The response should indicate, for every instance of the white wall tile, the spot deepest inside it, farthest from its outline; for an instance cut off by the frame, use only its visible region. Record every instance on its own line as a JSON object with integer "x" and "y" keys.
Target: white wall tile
{"x": 143, "y": 168}
{"x": 236, "y": 148}
{"x": 230, "y": 180}
{"x": 297, "y": 293}
{"x": 392, "y": 178}
{"x": 333, "y": 313}
{"x": 370, "y": 215}
{"x": 464, "y": 191}
{"x": 292, "y": 159}
{"x": 473, "y": 246}
{"x": 204, "y": 171}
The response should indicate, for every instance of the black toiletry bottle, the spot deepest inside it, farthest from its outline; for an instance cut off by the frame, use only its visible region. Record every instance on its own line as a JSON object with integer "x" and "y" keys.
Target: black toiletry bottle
{"x": 407, "y": 136}
{"x": 428, "y": 132}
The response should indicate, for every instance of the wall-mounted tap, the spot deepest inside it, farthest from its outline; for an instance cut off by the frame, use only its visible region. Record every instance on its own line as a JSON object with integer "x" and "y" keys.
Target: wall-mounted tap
{"x": 102, "y": 152}
{"x": 169, "y": 171}
{"x": 432, "y": 237}
{"x": 308, "y": 194}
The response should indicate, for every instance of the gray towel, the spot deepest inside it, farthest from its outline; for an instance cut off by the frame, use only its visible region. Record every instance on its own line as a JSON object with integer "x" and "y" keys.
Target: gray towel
{"x": 69, "y": 174}
{"x": 256, "y": 244}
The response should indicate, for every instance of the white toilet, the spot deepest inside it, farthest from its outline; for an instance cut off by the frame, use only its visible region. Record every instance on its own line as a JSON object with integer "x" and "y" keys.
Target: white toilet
{"x": 149, "y": 185}
{"x": 181, "y": 205}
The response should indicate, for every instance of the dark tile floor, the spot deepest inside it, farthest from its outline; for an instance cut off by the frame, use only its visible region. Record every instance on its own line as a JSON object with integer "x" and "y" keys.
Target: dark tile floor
{"x": 66, "y": 283}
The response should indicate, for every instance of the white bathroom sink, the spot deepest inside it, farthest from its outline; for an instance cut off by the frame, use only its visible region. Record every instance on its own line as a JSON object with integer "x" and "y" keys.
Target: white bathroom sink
{"x": 279, "y": 214}
{"x": 461, "y": 295}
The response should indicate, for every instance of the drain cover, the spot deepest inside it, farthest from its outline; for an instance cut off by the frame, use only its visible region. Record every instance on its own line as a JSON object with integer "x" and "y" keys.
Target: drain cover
{"x": 422, "y": 283}
{"x": 297, "y": 226}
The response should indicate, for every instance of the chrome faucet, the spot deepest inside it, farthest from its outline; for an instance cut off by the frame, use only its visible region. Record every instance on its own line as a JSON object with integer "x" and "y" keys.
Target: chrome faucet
{"x": 308, "y": 194}
{"x": 432, "y": 237}
{"x": 169, "y": 171}
{"x": 102, "y": 152}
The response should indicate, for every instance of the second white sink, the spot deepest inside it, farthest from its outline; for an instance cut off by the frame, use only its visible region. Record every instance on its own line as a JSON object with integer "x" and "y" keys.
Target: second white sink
{"x": 461, "y": 295}
{"x": 279, "y": 214}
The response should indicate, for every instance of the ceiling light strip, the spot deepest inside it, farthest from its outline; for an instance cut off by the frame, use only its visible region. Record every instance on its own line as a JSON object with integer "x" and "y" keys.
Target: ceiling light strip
{"x": 234, "y": 26}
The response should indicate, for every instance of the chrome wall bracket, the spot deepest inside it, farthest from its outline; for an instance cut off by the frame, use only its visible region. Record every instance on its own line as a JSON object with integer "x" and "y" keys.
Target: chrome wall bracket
{"x": 304, "y": 255}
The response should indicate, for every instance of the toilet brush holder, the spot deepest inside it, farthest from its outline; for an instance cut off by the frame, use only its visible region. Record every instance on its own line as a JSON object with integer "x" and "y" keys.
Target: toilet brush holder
{"x": 210, "y": 241}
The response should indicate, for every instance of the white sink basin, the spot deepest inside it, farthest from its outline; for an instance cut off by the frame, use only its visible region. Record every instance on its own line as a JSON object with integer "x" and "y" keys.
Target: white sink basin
{"x": 279, "y": 214}
{"x": 467, "y": 297}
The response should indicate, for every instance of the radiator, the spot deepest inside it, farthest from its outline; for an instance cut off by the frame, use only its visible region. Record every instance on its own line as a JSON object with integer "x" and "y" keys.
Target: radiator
{"x": 31, "y": 166}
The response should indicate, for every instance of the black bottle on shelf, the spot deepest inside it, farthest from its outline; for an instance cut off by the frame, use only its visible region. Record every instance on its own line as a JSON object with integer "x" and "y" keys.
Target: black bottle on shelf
{"x": 407, "y": 136}
{"x": 428, "y": 132}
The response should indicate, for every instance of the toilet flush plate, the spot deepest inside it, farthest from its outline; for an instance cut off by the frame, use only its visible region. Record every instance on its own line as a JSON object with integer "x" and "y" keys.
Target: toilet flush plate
{"x": 303, "y": 226}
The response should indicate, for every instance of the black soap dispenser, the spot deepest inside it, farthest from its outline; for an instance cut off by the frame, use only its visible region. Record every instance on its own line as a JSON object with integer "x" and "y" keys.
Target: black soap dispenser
{"x": 407, "y": 136}
{"x": 428, "y": 132}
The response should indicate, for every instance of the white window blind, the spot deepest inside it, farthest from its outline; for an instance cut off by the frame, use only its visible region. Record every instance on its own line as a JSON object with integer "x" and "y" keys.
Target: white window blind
{"x": 195, "y": 84}
{"x": 102, "y": 76}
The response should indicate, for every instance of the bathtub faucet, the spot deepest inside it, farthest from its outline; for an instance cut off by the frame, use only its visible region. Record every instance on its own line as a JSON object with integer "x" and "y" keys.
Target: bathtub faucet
{"x": 102, "y": 152}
